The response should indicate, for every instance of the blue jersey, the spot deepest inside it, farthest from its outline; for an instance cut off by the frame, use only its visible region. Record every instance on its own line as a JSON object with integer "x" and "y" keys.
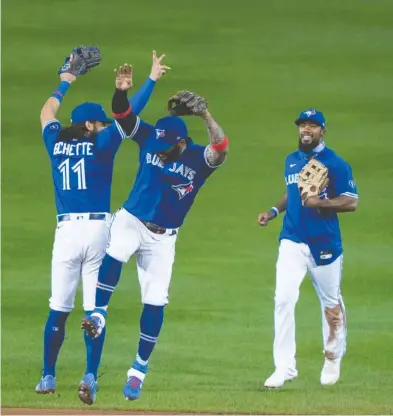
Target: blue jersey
{"x": 163, "y": 193}
{"x": 320, "y": 231}
{"x": 82, "y": 169}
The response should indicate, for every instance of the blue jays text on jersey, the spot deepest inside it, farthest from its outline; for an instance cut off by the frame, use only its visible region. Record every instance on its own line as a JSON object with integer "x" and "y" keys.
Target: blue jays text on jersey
{"x": 320, "y": 231}
{"x": 82, "y": 170}
{"x": 163, "y": 193}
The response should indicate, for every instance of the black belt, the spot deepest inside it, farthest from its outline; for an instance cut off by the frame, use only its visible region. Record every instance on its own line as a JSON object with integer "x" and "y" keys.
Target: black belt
{"x": 156, "y": 229}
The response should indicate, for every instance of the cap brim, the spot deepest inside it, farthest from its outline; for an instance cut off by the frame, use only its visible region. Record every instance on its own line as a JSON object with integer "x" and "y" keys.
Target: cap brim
{"x": 300, "y": 120}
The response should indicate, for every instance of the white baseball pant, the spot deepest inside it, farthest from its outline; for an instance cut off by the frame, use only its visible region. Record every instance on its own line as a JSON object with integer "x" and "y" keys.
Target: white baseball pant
{"x": 293, "y": 263}
{"x": 155, "y": 255}
{"x": 78, "y": 250}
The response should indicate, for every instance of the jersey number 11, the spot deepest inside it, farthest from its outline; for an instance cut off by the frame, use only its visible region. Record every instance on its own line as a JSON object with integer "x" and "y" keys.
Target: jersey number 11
{"x": 78, "y": 169}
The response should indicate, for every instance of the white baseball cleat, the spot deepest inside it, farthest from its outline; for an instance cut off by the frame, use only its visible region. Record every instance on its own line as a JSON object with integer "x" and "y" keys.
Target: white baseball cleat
{"x": 330, "y": 372}
{"x": 279, "y": 377}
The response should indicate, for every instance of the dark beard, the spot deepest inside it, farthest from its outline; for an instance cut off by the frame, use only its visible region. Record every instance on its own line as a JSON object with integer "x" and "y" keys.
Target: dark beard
{"x": 173, "y": 155}
{"x": 307, "y": 148}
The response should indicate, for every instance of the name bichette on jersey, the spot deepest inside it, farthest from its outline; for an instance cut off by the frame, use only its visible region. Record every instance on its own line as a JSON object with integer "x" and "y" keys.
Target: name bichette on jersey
{"x": 77, "y": 149}
{"x": 181, "y": 169}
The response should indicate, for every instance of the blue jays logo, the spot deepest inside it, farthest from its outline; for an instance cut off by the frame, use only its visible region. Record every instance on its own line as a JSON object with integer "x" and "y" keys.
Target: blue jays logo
{"x": 160, "y": 133}
{"x": 183, "y": 189}
{"x": 310, "y": 113}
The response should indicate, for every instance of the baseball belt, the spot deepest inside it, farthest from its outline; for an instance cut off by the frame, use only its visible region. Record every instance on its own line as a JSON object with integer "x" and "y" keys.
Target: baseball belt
{"x": 156, "y": 229}
{"x": 92, "y": 216}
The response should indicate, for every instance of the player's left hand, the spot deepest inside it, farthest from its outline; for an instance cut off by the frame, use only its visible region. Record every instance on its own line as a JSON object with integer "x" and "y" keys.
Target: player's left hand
{"x": 66, "y": 76}
{"x": 157, "y": 68}
{"x": 124, "y": 77}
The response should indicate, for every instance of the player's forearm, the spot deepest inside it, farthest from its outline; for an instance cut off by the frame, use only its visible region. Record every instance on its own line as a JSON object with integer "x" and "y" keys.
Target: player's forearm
{"x": 216, "y": 133}
{"x": 282, "y": 203}
{"x": 50, "y": 109}
{"x": 281, "y": 206}
{"x": 219, "y": 143}
{"x": 341, "y": 203}
{"x": 52, "y": 105}
{"x": 122, "y": 111}
{"x": 139, "y": 100}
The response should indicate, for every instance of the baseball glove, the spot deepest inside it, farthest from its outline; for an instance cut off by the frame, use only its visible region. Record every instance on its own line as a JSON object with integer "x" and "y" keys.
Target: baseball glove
{"x": 186, "y": 103}
{"x": 81, "y": 60}
{"x": 313, "y": 178}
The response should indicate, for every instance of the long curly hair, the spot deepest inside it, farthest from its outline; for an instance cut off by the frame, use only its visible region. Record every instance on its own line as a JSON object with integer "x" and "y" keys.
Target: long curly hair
{"x": 76, "y": 131}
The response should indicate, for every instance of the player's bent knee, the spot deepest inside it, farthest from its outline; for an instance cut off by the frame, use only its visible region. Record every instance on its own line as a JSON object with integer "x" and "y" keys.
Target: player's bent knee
{"x": 118, "y": 254}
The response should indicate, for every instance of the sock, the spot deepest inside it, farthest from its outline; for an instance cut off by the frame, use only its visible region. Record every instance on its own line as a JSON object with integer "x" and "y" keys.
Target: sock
{"x": 108, "y": 278}
{"x": 150, "y": 324}
{"x": 94, "y": 348}
{"x": 54, "y": 334}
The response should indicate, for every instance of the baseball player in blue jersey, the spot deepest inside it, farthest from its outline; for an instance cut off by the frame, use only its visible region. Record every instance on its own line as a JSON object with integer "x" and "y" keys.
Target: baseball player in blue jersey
{"x": 81, "y": 157}
{"x": 172, "y": 171}
{"x": 319, "y": 184}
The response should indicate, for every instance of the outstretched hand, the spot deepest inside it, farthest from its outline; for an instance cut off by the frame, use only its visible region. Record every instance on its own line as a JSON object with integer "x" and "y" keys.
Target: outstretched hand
{"x": 124, "y": 77}
{"x": 158, "y": 69}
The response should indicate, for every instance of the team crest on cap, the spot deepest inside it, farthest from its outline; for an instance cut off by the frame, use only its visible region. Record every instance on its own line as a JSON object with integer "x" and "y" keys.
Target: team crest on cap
{"x": 310, "y": 113}
{"x": 160, "y": 133}
{"x": 183, "y": 189}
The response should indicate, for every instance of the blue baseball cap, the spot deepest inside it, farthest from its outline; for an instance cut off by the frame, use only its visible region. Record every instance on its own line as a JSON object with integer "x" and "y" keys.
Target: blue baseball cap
{"x": 311, "y": 115}
{"x": 169, "y": 131}
{"x": 89, "y": 112}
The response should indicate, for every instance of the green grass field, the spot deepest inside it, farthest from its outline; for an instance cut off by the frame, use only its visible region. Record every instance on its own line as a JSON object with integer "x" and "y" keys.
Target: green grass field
{"x": 259, "y": 63}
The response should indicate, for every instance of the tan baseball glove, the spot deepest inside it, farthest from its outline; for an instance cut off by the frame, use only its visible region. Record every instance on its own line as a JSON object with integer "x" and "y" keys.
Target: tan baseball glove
{"x": 313, "y": 178}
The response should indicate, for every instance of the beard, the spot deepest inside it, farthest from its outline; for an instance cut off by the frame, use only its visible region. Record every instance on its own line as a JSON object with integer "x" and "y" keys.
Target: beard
{"x": 172, "y": 155}
{"x": 308, "y": 147}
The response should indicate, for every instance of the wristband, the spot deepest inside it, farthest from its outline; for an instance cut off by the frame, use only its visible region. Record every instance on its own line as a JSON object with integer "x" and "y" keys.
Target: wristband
{"x": 119, "y": 116}
{"x": 61, "y": 90}
{"x": 221, "y": 146}
{"x": 274, "y": 211}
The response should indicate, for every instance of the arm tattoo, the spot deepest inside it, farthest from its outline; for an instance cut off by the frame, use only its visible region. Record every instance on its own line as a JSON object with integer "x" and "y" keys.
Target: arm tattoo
{"x": 216, "y": 135}
{"x": 214, "y": 158}
{"x": 215, "y": 131}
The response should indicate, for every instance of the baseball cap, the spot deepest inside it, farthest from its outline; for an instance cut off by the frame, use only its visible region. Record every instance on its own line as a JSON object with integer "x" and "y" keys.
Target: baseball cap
{"x": 311, "y": 115}
{"x": 89, "y": 112}
{"x": 169, "y": 131}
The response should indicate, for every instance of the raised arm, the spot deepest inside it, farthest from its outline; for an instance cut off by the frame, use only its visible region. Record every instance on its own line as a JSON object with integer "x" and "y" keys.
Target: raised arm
{"x": 121, "y": 108}
{"x": 139, "y": 100}
{"x": 79, "y": 62}
{"x": 281, "y": 206}
{"x": 219, "y": 144}
{"x": 52, "y": 105}
{"x": 187, "y": 103}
